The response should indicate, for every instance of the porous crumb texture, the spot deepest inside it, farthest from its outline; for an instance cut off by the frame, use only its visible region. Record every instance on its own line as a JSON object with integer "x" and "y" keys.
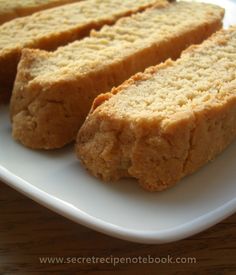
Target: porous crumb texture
{"x": 58, "y": 26}
{"x": 53, "y": 91}
{"x": 10, "y": 9}
{"x": 122, "y": 39}
{"x": 167, "y": 122}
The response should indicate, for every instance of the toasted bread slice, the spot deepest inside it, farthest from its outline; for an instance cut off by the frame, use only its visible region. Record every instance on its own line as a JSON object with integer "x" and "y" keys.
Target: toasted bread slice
{"x": 53, "y": 91}
{"x": 167, "y": 122}
{"x": 13, "y": 8}
{"x": 58, "y": 26}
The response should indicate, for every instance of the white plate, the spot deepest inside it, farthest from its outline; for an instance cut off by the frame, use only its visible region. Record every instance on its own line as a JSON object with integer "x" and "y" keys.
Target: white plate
{"x": 122, "y": 209}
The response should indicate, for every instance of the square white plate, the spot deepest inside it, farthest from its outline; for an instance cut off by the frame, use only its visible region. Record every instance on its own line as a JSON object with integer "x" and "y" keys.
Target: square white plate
{"x": 124, "y": 210}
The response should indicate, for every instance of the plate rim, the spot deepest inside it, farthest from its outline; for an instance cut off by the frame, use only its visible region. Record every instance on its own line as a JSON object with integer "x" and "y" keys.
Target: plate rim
{"x": 73, "y": 213}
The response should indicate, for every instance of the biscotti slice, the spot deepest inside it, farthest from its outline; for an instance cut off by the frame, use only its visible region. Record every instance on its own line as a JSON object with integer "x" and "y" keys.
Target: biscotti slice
{"x": 53, "y": 92}
{"x": 167, "y": 122}
{"x": 10, "y": 9}
{"x": 54, "y": 27}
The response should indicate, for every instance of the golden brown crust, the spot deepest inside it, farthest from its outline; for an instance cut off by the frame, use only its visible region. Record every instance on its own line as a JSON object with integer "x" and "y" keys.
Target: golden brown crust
{"x": 49, "y": 117}
{"x": 111, "y": 149}
{"x": 159, "y": 152}
{"x": 74, "y": 93}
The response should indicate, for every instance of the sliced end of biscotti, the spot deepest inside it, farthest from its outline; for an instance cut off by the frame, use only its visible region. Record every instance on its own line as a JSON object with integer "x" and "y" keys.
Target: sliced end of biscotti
{"x": 59, "y": 26}
{"x": 67, "y": 80}
{"x": 167, "y": 122}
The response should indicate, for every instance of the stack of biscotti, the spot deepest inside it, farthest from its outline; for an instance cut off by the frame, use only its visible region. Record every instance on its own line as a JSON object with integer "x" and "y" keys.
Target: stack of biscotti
{"x": 53, "y": 92}
{"x": 167, "y": 122}
{"x": 10, "y": 9}
{"x": 58, "y": 26}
